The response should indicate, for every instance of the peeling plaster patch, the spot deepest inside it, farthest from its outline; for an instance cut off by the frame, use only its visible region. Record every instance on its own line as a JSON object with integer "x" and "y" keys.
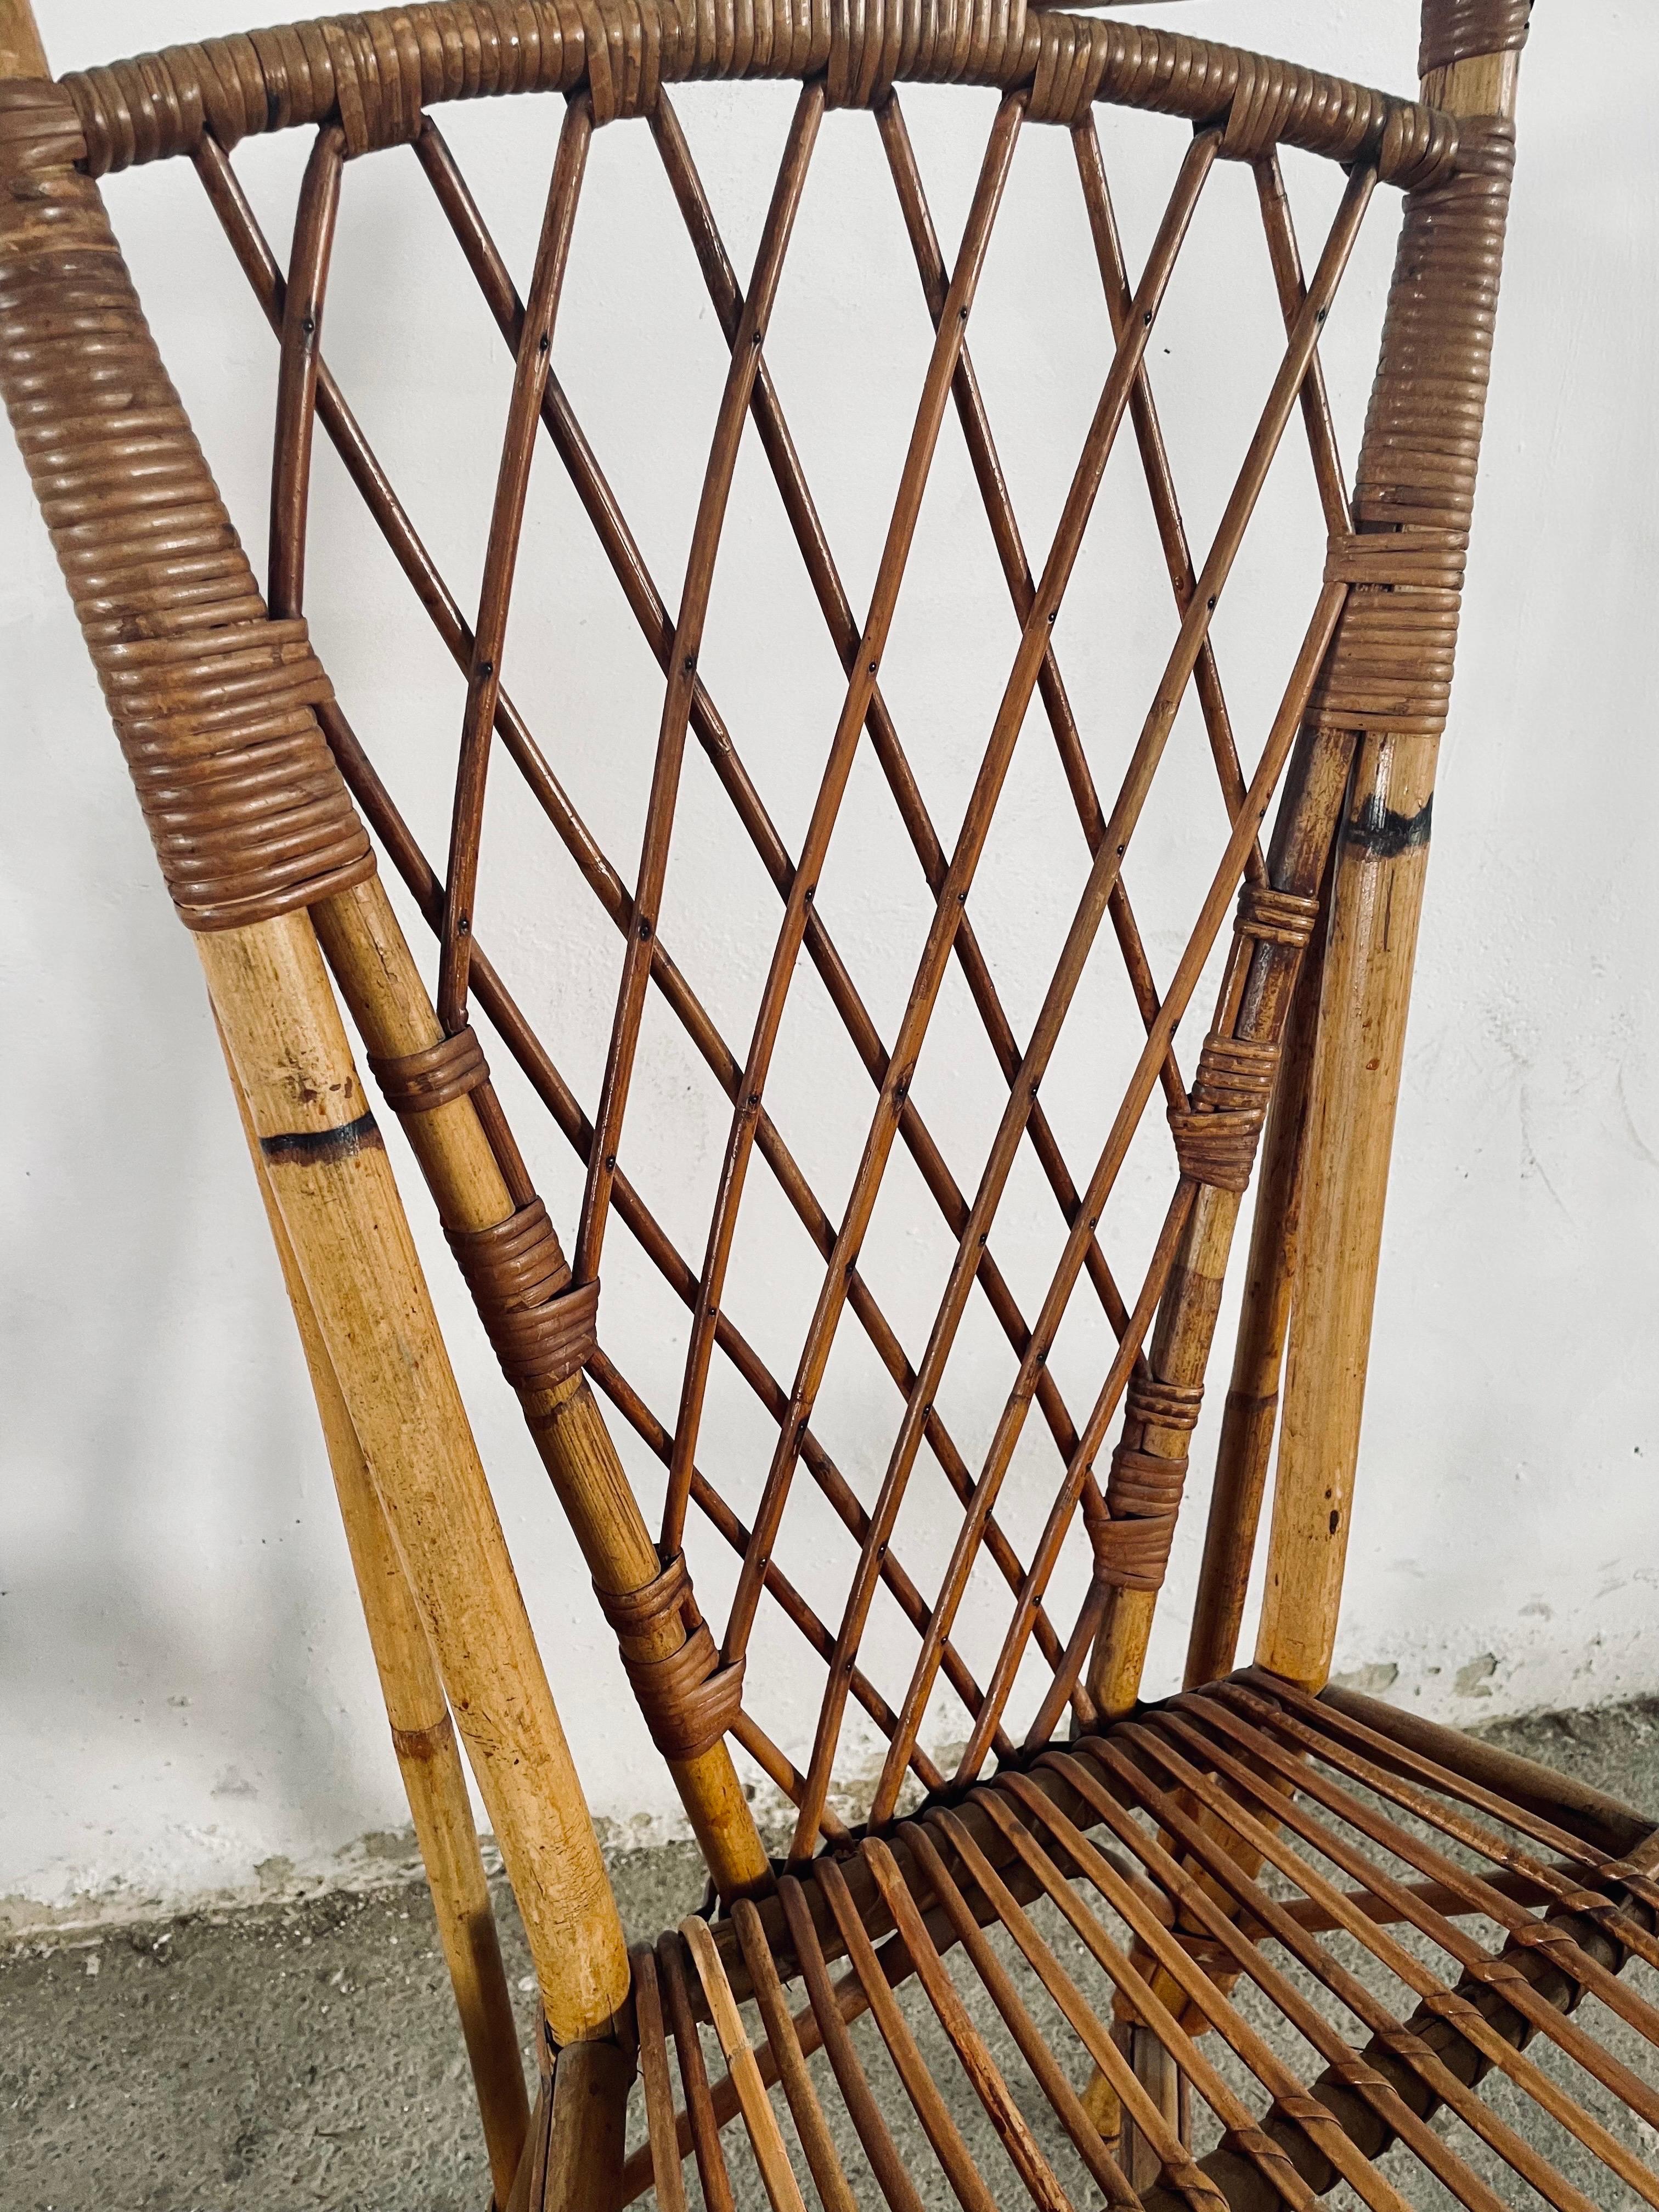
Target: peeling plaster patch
{"x": 1474, "y": 1680}
{"x": 1375, "y": 1680}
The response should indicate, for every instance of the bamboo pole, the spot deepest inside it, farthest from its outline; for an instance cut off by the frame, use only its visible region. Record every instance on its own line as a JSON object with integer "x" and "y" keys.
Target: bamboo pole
{"x": 587, "y": 2129}
{"x": 1179, "y": 1354}
{"x": 372, "y": 963}
{"x": 22, "y": 54}
{"x": 1376, "y": 902}
{"x": 334, "y": 1189}
{"x": 422, "y": 1735}
{"x": 1250, "y": 1416}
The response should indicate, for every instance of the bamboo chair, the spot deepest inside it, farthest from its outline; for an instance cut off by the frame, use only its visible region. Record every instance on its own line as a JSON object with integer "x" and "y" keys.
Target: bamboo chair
{"x": 1255, "y": 1943}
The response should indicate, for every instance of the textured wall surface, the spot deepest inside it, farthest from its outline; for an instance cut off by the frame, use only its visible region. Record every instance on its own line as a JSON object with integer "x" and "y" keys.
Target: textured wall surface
{"x": 187, "y": 1703}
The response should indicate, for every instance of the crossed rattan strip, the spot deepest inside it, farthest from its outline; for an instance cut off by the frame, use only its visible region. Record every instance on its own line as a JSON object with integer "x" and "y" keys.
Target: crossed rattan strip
{"x": 1292, "y": 708}
{"x": 955, "y": 886}
{"x": 658, "y": 1439}
{"x": 252, "y": 251}
{"x": 530, "y": 374}
{"x": 1241, "y": 504}
{"x": 836, "y": 608}
{"x": 1010, "y": 548}
{"x": 1496, "y": 1979}
{"x": 722, "y": 753}
{"x": 676, "y": 703}
{"x": 895, "y": 551}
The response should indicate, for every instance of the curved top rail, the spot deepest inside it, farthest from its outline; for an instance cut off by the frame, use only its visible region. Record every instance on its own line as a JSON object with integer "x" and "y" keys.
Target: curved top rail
{"x": 377, "y": 72}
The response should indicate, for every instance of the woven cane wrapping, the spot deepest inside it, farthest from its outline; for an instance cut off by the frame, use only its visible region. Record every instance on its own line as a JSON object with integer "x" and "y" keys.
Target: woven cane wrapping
{"x": 212, "y": 700}
{"x": 377, "y": 72}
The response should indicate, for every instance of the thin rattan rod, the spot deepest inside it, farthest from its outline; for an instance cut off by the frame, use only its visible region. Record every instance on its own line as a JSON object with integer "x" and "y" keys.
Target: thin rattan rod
{"x": 804, "y": 1943}
{"x": 530, "y": 374}
{"x": 831, "y": 2013}
{"x": 967, "y": 2184}
{"x": 1293, "y": 2113}
{"x": 296, "y": 376}
{"x": 1275, "y": 751}
{"x": 789, "y": 2062}
{"x": 1478, "y": 1893}
{"x": 1054, "y": 1883}
{"x": 666, "y": 2158}
{"x": 954, "y": 894}
{"x": 895, "y": 551}
{"x": 1021, "y": 589}
{"x": 253, "y": 252}
{"x": 1520, "y": 1873}
{"x": 1160, "y": 481}
{"x": 1046, "y": 2070}
{"x": 1497, "y": 1978}
{"x": 568, "y": 1116}
{"x": 1356, "y": 2082}
{"x": 765, "y": 2136}
{"x": 600, "y": 505}
{"x": 676, "y": 703}
{"x": 1440, "y": 2007}
{"x": 1349, "y": 2077}
{"x": 658, "y": 1438}
{"x": 959, "y": 1567}
{"x": 712, "y": 2170}
{"x": 1074, "y": 2007}
{"x": 1126, "y": 812}
{"x": 836, "y": 606}
{"x": 1286, "y": 258}
{"x": 985, "y": 2078}
{"x": 1403, "y": 1759}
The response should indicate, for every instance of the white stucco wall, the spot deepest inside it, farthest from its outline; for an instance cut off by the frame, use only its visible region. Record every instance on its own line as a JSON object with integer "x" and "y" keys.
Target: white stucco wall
{"x": 186, "y": 1702}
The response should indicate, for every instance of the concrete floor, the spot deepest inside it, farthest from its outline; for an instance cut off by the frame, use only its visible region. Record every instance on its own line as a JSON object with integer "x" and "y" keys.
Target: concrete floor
{"x": 305, "y": 2056}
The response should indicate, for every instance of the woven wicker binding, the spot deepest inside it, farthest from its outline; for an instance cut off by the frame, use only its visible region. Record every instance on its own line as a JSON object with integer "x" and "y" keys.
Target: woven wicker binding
{"x": 212, "y": 702}
{"x": 377, "y": 72}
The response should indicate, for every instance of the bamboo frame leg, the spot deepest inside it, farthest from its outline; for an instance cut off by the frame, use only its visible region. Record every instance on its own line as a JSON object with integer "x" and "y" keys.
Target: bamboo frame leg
{"x": 333, "y": 1188}
{"x": 422, "y": 1735}
{"x": 589, "y": 2087}
{"x": 372, "y": 963}
{"x": 1376, "y": 902}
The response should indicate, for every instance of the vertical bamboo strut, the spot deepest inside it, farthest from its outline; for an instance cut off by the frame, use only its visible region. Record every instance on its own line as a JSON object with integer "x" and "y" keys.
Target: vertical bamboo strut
{"x": 1250, "y": 1415}
{"x": 1444, "y": 326}
{"x": 423, "y": 1734}
{"x": 375, "y": 969}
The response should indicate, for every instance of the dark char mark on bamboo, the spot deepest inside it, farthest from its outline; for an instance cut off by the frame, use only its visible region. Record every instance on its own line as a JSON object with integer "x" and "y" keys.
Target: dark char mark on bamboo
{"x": 1383, "y": 835}
{"x": 321, "y": 1147}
